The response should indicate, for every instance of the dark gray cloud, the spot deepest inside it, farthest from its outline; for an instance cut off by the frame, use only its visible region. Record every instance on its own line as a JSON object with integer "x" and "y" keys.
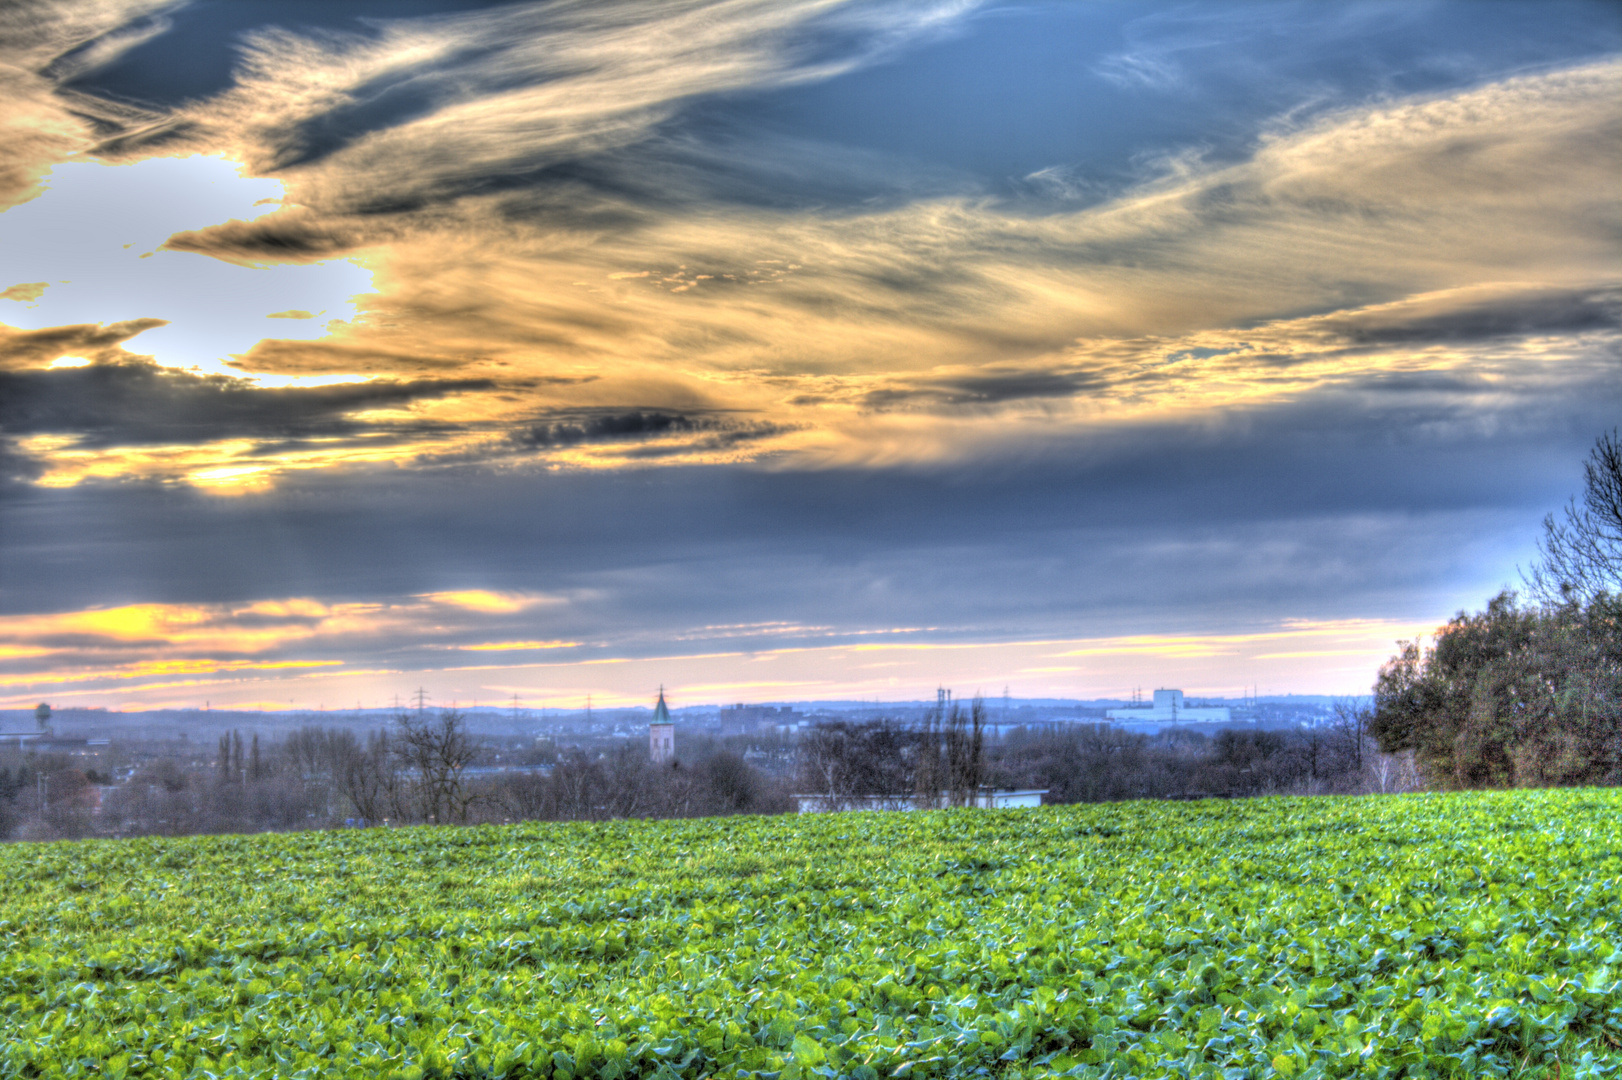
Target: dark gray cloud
{"x": 194, "y": 56}
{"x": 576, "y": 427}
{"x": 137, "y": 402}
{"x": 610, "y": 426}
{"x": 1121, "y": 85}
{"x": 986, "y": 386}
{"x": 1479, "y": 318}
{"x": 1388, "y": 504}
{"x": 706, "y": 155}
{"x": 289, "y": 236}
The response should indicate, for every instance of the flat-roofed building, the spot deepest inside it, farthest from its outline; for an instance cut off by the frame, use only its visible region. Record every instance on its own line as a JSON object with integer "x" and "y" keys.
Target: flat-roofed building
{"x": 986, "y": 799}
{"x": 1170, "y": 707}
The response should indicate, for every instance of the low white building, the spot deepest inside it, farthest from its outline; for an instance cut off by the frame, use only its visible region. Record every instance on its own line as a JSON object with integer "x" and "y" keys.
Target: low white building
{"x": 986, "y": 798}
{"x": 1169, "y": 708}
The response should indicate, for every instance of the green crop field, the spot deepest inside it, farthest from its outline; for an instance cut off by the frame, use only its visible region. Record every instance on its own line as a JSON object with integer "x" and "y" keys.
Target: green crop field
{"x": 1458, "y": 935}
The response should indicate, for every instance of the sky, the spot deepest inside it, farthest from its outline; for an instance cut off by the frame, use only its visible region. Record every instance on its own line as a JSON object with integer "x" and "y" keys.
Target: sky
{"x": 786, "y": 349}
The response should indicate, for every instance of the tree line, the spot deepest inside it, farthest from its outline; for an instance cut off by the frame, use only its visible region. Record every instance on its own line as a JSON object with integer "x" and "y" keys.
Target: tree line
{"x": 938, "y": 762}
{"x": 423, "y": 769}
{"x": 944, "y": 761}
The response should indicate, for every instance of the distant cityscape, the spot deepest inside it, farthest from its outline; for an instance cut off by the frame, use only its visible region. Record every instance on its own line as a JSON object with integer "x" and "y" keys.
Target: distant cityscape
{"x": 1165, "y": 708}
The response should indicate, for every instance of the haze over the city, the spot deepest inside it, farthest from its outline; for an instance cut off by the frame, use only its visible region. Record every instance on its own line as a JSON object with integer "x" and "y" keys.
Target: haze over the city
{"x": 786, "y": 349}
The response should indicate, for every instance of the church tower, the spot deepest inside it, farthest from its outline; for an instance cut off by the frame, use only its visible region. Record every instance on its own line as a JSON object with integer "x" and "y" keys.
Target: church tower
{"x": 661, "y": 732}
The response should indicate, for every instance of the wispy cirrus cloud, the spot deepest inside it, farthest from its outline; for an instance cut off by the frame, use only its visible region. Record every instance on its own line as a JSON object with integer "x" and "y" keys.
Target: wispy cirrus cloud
{"x": 1367, "y": 205}
{"x": 43, "y": 42}
{"x": 430, "y": 109}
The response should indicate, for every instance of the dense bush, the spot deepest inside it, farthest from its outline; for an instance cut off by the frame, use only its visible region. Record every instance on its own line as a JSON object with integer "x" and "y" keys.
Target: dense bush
{"x": 1511, "y": 696}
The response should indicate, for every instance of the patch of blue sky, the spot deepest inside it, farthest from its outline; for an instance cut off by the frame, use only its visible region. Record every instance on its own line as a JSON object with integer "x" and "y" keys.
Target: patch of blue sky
{"x": 196, "y": 55}
{"x": 1201, "y": 353}
{"x": 94, "y": 238}
{"x": 1039, "y": 102}
{"x": 1087, "y": 98}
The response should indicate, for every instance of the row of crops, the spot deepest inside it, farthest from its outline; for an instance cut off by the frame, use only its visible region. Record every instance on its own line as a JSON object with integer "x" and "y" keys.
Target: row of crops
{"x": 1457, "y": 935}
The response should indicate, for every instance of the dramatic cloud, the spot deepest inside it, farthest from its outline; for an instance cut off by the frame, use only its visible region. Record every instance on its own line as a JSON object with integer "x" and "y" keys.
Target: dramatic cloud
{"x": 41, "y": 43}
{"x": 722, "y": 320}
{"x": 141, "y": 403}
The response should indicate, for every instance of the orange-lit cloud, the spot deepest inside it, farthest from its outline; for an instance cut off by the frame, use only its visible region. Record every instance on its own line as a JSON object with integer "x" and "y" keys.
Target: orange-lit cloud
{"x": 823, "y": 338}
{"x": 485, "y": 601}
{"x": 40, "y": 124}
{"x": 517, "y": 646}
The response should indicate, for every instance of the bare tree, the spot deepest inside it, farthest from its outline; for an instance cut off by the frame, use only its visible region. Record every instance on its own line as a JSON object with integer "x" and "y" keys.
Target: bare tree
{"x": 949, "y": 762}
{"x": 1581, "y": 551}
{"x": 871, "y": 764}
{"x": 1349, "y": 741}
{"x": 577, "y": 784}
{"x": 826, "y": 764}
{"x": 629, "y": 784}
{"x": 1392, "y": 773}
{"x": 929, "y": 771}
{"x": 965, "y": 752}
{"x": 437, "y": 751}
{"x": 523, "y": 797}
{"x": 732, "y": 786}
{"x": 370, "y": 777}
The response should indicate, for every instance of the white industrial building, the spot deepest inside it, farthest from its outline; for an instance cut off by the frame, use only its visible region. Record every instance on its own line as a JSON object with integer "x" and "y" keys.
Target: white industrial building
{"x": 1169, "y": 708}
{"x": 985, "y": 798}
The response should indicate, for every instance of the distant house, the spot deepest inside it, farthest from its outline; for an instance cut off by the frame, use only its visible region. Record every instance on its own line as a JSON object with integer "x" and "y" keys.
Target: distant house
{"x": 1169, "y": 708}
{"x": 661, "y": 732}
{"x": 986, "y": 798}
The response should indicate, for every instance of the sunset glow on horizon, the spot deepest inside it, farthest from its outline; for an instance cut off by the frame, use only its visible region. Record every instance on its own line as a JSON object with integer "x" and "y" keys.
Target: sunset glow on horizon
{"x": 165, "y": 656}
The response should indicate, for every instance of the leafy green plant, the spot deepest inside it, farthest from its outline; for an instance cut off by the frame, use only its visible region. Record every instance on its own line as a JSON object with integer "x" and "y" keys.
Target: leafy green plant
{"x": 1418, "y": 936}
